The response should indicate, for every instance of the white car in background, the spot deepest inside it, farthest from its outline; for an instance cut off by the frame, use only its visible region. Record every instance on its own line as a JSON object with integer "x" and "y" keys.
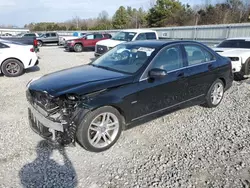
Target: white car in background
{"x": 16, "y": 57}
{"x": 126, "y": 35}
{"x": 238, "y": 50}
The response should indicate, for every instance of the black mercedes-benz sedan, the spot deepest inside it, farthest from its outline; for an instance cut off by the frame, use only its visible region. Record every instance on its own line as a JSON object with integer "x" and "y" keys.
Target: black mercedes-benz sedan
{"x": 91, "y": 104}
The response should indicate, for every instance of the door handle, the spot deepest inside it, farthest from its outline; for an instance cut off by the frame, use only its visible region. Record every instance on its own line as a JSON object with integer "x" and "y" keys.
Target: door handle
{"x": 180, "y": 75}
{"x": 210, "y": 66}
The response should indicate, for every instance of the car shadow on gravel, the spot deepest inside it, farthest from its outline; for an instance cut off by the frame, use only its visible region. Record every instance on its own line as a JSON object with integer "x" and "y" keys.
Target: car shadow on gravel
{"x": 32, "y": 69}
{"x": 46, "y": 172}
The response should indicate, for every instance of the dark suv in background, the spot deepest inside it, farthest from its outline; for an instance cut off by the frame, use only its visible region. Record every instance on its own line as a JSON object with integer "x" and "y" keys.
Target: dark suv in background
{"x": 48, "y": 38}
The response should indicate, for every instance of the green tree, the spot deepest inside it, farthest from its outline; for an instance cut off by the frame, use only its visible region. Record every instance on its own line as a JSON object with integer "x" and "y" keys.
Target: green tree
{"x": 120, "y": 19}
{"x": 163, "y": 12}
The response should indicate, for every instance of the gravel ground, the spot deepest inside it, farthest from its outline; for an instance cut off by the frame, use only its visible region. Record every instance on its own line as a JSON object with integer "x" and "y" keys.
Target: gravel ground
{"x": 194, "y": 147}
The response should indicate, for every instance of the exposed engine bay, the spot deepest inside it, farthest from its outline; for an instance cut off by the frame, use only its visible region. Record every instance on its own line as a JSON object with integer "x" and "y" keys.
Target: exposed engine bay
{"x": 61, "y": 113}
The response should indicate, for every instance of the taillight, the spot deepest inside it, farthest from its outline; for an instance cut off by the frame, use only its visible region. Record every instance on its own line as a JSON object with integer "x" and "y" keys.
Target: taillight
{"x": 32, "y": 49}
{"x": 35, "y": 42}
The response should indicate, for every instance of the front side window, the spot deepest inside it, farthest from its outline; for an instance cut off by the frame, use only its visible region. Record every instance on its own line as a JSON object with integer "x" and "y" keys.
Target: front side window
{"x": 89, "y": 37}
{"x": 47, "y": 35}
{"x": 124, "y": 36}
{"x": 197, "y": 55}
{"x": 169, "y": 59}
{"x": 127, "y": 58}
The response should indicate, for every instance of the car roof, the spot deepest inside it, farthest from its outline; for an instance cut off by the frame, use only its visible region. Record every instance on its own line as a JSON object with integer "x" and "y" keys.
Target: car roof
{"x": 138, "y": 30}
{"x": 159, "y": 43}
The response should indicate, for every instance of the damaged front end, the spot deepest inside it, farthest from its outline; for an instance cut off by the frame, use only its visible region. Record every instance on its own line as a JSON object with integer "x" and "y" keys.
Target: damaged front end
{"x": 54, "y": 118}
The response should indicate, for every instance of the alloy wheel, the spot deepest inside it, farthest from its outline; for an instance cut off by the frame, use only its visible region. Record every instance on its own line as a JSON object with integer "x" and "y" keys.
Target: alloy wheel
{"x": 217, "y": 93}
{"x": 103, "y": 130}
{"x": 13, "y": 68}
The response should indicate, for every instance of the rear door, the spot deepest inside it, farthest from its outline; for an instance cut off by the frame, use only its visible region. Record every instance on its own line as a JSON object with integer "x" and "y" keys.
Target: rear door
{"x": 97, "y": 38}
{"x": 54, "y": 38}
{"x": 202, "y": 68}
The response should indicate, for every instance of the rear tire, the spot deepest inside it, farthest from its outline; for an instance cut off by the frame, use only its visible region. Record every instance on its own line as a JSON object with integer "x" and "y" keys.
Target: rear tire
{"x": 39, "y": 43}
{"x": 238, "y": 76}
{"x": 78, "y": 48}
{"x": 100, "y": 129}
{"x": 12, "y": 68}
{"x": 215, "y": 94}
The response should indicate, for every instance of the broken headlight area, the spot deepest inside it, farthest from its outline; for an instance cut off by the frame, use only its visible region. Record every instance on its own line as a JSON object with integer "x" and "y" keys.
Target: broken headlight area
{"x": 55, "y": 119}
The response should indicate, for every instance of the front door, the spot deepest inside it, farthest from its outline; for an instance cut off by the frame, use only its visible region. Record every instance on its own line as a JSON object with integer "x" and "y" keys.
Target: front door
{"x": 164, "y": 93}
{"x": 90, "y": 41}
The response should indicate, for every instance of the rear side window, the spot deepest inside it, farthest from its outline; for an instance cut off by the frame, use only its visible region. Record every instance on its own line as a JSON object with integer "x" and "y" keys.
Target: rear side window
{"x": 141, "y": 36}
{"x": 150, "y": 36}
{"x": 245, "y": 44}
{"x": 98, "y": 36}
{"x": 3, "y": 45}
{"x": 107, "y": 36}
{"x": 197, "y": 55}
{"x": 53, "y": 34}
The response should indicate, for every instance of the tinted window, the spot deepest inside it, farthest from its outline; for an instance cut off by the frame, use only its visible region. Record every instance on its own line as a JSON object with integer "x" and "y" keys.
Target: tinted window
{"x": 47, "y": 35}
{"x": 90, "y": 36}
{"x": 107, "y": 36}
{"x": 151, "y": 36}
{"x": 244, "y": 44}
{"x": 3, "y": 45}
{"x": 196, "y": 54}
{"x": 53, "y": 34}
{"x": 234, "y": 44}
{"x": 98, "y": 36}
{"x": 124, "y": 36}
{"x": 141, "y": 36}
{"x": 169, "y": 59}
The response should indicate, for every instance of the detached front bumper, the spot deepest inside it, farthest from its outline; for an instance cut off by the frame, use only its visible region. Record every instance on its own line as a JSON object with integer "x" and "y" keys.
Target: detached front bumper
{"x": 56, "y": 132}
{"x": 43, "y": 126}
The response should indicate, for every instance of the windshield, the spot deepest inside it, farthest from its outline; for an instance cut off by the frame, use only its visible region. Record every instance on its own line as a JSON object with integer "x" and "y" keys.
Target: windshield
{"x": 124, "y": 36}
{"x": 234, "y": 44}
{"x": 125, "y": 58}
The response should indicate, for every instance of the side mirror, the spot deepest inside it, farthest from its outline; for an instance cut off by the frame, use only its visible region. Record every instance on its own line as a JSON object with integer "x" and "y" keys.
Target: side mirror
{"x": 157, "y": 73}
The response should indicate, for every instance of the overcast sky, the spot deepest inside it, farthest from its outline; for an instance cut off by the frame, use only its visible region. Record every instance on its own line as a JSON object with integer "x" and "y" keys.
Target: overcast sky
{"x": 20, "y": 12}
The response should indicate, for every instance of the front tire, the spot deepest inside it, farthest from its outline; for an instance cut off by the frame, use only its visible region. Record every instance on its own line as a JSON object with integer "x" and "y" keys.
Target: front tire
{"x": 100, "y": 129}
{"x": 215, "y": 94}
{"x": 12, "y": 68}
{"x": 78, "y": 48}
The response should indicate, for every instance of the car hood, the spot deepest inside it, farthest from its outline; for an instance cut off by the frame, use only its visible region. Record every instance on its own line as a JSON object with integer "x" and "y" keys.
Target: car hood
{"x": 79, "y": 80}
{"x": 109, "y": 42}
{"x": 230, "y": 52}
